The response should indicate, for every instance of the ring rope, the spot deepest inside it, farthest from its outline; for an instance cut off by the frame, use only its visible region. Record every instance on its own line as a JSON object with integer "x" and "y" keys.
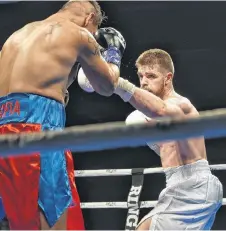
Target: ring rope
{"x": 211, "y": 124}
{"x": 120, "y": 205}
{"x": 120, "y": 172}
{"x": 124, "y": 172}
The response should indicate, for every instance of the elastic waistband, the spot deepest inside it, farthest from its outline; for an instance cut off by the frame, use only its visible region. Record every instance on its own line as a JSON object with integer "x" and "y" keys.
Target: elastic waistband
{"x": 31, "y": 108}
{"x": 186, "y": 171}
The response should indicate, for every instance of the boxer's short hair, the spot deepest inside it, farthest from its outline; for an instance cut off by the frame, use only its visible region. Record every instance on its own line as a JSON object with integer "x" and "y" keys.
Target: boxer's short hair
{"x": 156, "y": 56}
{"x": 99, "y": 14}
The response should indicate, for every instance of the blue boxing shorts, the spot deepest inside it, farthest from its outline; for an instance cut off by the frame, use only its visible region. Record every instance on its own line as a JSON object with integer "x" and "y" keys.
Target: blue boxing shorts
{"x": 30, "y": 183}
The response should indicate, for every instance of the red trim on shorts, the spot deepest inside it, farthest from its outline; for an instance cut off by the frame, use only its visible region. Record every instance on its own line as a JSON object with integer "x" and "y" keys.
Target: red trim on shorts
{"x": 74, "y": 217}
{"x": 19, "y": 183}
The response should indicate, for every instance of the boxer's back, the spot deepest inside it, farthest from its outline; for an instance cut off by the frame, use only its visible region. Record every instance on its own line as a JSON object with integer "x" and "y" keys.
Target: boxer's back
{"x": 38, "y": 59}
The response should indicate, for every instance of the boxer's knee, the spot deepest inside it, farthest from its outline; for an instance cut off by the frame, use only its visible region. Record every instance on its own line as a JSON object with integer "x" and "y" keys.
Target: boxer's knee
{"x": 61, "y": 223}
{"x": 43, "y": 222}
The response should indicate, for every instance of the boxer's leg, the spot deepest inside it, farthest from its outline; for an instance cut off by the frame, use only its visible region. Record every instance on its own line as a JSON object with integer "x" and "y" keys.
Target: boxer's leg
{"x": 55, "y": 194}
{"x": 145, "y": 225}
{"x": 71, "y": 218}
{"x": 61, "y": 223}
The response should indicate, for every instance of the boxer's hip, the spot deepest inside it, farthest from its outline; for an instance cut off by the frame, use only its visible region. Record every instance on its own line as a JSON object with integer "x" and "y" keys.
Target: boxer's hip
{"x": 31, "y": 108}
{"x": 190, "y": 200}
{"x": 193, "y": 183}
{"x": 176, "y": 175}
{"x": 44, "y": 178}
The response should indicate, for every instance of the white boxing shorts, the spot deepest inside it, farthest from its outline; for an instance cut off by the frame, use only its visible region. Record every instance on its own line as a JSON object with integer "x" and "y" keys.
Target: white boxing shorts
{"x": 190, "y": 200}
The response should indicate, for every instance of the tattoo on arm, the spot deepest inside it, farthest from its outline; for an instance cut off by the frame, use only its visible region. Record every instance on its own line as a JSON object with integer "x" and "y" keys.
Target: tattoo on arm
{"x": 95, "y": 48}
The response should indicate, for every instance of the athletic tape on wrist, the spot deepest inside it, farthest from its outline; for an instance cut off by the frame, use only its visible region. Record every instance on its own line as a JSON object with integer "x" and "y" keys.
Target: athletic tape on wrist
{"x": 113, "y": 55}
{"x": 125, "y": 89}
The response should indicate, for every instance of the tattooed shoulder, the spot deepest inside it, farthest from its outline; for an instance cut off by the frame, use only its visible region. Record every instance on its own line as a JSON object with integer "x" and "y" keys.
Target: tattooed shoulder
{"x": 88, "y": 38}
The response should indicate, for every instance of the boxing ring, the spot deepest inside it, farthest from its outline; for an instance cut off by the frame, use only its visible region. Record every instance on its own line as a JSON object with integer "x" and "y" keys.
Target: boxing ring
{"x": 123, "y": 172}
{"x": 211, "y": 124}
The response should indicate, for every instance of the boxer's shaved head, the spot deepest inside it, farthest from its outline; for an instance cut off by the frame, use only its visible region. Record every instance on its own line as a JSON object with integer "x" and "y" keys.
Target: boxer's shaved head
{"x": 86, "y": 8}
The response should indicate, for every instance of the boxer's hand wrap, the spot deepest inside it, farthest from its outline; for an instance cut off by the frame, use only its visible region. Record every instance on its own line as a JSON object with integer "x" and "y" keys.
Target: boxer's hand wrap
{"x": 113, "y": 43}
{"x": 125, "y": 89}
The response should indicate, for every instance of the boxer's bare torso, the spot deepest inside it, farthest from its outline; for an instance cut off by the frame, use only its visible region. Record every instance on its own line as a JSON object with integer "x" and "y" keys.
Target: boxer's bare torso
{"x": 182, "y": 152}
{"x": 172, "y": 153}
{"x": 179, "y": 153}
{"x": 38, "y": 58}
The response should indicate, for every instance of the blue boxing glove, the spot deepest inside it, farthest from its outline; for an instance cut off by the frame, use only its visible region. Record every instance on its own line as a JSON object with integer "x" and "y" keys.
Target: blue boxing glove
{"x": 113, "y": 44}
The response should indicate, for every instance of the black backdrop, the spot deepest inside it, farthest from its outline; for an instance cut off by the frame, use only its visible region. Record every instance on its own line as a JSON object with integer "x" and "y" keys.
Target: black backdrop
{"x": 194, "y": 34}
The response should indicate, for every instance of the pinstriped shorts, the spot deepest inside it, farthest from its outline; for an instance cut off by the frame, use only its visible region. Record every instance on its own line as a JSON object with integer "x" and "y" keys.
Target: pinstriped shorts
{"x": 190, "y": 200}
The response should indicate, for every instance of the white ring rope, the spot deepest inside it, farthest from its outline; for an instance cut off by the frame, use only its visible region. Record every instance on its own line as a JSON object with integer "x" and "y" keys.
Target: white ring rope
{"x": 120, "y": 205}
{"x": 211, "y": 124}
{"x": 124, "y": 172}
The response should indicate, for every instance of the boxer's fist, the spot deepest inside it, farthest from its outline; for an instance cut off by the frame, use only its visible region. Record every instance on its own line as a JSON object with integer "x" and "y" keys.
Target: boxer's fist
{"x": 83, "y": 81}
{"x": 138, "y": 117}
{"x": 135, "y": 117}
{"x": 114, "y": 44}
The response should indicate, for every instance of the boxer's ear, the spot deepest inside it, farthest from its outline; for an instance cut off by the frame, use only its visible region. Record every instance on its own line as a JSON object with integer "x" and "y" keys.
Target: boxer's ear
{"x": 89, "y": 19}
{"x": 168, "y": 78}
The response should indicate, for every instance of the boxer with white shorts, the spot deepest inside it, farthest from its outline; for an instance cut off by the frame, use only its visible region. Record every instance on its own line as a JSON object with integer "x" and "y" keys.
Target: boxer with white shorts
{"x": 37, "y": 66}
{"x": 192, "y": 195}
{"x": 191, "y": 198}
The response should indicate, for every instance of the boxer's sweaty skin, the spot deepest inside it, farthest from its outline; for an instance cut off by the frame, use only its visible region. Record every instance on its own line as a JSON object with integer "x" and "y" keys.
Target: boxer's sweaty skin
{"x": 182, "y": 152}
{"x": 39, "y": 57}
{"x": 157, "y": 98}
{"x": 174, "y": 153}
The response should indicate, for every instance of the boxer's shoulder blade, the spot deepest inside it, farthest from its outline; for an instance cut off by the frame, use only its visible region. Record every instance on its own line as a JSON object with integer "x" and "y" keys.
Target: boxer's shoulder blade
{"x": 37, "y": 57}
{"x": 50, "y": 37}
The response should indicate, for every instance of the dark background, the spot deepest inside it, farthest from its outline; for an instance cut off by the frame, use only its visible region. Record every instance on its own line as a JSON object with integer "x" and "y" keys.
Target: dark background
{"x": 194, "y": 34}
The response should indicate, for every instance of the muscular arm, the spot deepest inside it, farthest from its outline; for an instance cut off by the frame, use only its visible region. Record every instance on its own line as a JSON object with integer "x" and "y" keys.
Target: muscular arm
{"x": 151, "y": 105}
{"x": 103, "y": 76}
